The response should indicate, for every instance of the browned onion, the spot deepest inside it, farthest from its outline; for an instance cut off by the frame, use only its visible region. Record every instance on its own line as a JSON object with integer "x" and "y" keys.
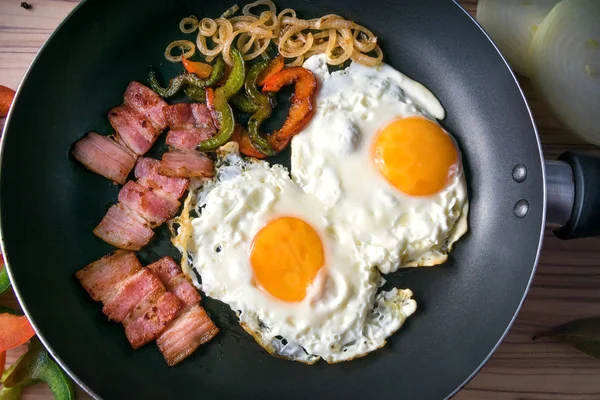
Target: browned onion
{"x": 336, "y": 37}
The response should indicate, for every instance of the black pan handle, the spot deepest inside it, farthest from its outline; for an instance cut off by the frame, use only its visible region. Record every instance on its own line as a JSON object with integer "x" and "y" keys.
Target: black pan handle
{"x": 582, "y": 193}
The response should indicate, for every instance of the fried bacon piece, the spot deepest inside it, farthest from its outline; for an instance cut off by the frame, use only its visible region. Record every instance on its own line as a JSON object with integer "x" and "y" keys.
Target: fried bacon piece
{"x": 143, "y": 205}
{"x": 131, "y": 292}
{"x": 193, "y": 326}
{"x": 124, "y": 228}
{"x": 101, "y": 279}
{"x": 150, "y": 324}
{"x": 185, "y": 164}
{"x": 187, "y": 116}
{"x": 188, "y": 138}
{"x": 155, "y": 208}
{"x": 138, "y": 298}
{"x": 185, "y": 334}
{"x": 140, "y": 120}
{"x": 104, "y": 156}
{"x": 133, "y": 128}
{"x": 170, "y": 274}
{"x": 190, "y": 124}
{"x": 146, "y": 172}
{"x": 148, "y": 102}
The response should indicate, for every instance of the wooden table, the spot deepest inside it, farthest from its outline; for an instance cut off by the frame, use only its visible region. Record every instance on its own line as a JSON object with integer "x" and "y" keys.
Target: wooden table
{"x": 566, "y": 285}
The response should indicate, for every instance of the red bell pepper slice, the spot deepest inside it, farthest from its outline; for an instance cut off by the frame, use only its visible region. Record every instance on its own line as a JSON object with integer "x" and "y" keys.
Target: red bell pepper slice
{"x": 6, "y": 98}
{"x": 302, "y": 107}
{"x": 201, "y": 69}
{"x": 2, "y": 361}
{"x": 241, "y": 137}
{"x": 274, "y": 67}
{"x": 14, "y": 331}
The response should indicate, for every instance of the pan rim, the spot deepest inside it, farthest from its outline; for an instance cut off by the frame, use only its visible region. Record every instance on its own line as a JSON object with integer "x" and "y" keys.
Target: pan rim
{"x": 543, "y": 222}
{"x": 15, "y": 287}
{"x": 89, "y": 391}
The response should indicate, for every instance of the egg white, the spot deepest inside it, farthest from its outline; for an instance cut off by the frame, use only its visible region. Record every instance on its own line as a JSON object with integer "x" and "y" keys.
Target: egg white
{"x": 367, "y": 227}
{"x": 331, "y": 159}
{"x": 344, "y": 314}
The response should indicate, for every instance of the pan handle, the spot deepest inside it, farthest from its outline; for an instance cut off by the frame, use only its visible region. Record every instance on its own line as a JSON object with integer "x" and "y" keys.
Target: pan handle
{"x": 573, "y": 195}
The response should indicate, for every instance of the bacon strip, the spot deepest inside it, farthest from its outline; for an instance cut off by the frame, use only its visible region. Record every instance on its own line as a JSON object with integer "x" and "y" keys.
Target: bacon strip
{"x": 124, "y": 229}
{"x": 190, "y": 124}
{"x": 133, "y": 128}
{"x": 140, "y": 119}
{"x": 131, "y": 293}
{"x": 170, "y": 274}
{"x": 185, "y": 334}
{"x": 188, "y": 139}
{"x": 150, "y": 324}
{"x": 138, "y": 122}
{"x": 143, "y": 205}
{"x": 145, "y": 304}
{"x": 137, "y": 297}
{"x": 101, "y": 279}
{"x": 179, "y": 116}
{"x": 146, "y": 172}
{"x": 148, "y": 102}
{"x": 193, "y": 326}
{"x": 155, "y": 208}
{"x": 104, "y": 156}
{"x": 187, "y": 115}
{"x": 185, "y": 164}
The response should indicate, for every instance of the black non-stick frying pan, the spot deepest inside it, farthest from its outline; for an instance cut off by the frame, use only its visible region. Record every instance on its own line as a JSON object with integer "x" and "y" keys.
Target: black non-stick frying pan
{"x": 50, "y": 205}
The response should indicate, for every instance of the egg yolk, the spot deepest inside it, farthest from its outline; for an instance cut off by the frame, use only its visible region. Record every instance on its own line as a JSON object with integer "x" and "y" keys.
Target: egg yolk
{"x": 415, "y": 155}
{"x": 286, "y": 256}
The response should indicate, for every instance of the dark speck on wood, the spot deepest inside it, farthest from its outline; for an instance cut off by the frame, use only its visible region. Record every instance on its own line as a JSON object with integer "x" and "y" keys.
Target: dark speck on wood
{"x": 25, "y": 5}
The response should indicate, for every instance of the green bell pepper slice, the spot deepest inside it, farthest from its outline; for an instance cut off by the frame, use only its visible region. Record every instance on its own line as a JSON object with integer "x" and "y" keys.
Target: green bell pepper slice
{"x": 220, "y": 107}
{"x": 35, "y": 366}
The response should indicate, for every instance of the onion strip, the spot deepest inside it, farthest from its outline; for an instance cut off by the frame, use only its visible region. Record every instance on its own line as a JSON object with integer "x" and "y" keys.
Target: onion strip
{"x": 256, "y": 28}
{"x": 189, "y": 24}
{"x": 183, "y": 45}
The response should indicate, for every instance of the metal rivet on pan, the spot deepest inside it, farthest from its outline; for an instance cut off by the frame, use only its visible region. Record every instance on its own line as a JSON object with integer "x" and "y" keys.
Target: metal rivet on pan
{"x": 521, "y": 208}
{"x": 519, "y": 173}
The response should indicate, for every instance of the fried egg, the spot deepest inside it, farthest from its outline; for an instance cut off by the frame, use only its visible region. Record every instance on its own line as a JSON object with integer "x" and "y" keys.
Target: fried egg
{"x": 389, "y": 176}
{"x": 264, "y": 246}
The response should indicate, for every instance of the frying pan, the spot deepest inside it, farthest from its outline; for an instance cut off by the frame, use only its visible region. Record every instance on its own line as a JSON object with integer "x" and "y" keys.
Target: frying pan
{"x": 50, "y": 205}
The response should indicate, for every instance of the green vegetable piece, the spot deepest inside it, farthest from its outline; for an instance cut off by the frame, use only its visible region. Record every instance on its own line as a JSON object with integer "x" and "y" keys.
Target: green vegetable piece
{"x": 217, "y": 73}
{"x": 6, "y": 310}
{"x": 13, "y": 393}
{"x": 35, "y": 366}
{"x": 198, "y": 92}
{"x": 230, "y": 11}
{"x": 264, "y": 109}
{"x": 243, "y": 103}
{"x": 235, "y": 81}
{"x": 221, "y": 107}
{"x": 4, "y": 281}
{"x": 583, "y": 334}
{"x": 175, "y": 84}
{"x": 8, "y": 370}
{"x": 10, "y": 393}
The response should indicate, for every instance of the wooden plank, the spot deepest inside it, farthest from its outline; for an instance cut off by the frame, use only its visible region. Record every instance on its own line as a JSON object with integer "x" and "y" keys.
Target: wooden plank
{"x": 566, "y": 285}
